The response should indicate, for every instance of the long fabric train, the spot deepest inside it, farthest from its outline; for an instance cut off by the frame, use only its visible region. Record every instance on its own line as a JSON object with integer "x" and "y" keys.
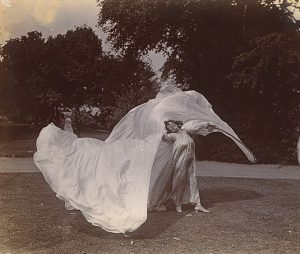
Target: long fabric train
{"x": 110, "y": 181}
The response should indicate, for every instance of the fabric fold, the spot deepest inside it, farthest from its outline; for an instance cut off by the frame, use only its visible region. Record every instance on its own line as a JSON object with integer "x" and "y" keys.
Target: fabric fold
{"x": 112, "y": 182}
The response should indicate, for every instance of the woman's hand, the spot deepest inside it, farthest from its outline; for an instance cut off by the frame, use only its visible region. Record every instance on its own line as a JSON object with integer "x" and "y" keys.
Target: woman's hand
{"x": 210, "y": 127}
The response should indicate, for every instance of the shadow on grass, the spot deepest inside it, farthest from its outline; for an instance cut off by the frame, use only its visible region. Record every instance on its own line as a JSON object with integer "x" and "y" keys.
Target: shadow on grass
{"x": 153, "y": 227}
{"x": 157, "y": 223}
{"x": 33, "y": 218}
{"x": 213, "y": 196}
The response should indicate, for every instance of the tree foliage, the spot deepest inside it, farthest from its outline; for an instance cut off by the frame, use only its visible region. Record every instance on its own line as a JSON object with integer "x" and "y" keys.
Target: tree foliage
{"x": 67, "y": 70}
{"x": 267, "y": 77}
{"x": 243, "y": 55}
{"x": 71, "y": 63}
{"x": 20, "y": 67}
{"x": 199, "y": 38}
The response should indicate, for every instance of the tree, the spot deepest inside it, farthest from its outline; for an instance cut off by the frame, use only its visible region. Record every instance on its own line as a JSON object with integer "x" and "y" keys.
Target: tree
{"x": 78, "y": 70}
{"x": 69, "y": 70}
{"x": 218, "y": 48}
{"x": 41, "y": 75}
{"x": 199, "y": 38}
{"x": 20, "y": 71}
{"x": 128, "y": 82}
{"x": 71, "y": 64}
{"x": 267, "y": 77}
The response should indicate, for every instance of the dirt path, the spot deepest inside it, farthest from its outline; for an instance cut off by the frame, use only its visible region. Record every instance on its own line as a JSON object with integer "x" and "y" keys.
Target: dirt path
{"x": 204, "y": 168}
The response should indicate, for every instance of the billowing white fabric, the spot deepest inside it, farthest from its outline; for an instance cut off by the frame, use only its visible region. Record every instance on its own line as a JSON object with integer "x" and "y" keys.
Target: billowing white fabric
{"x": 190, "y": 107}
{"x": 109, "y": 181}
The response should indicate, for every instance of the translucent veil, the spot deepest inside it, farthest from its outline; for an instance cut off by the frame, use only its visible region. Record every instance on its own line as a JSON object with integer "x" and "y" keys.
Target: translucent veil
{"x": 110, "y": 182}
{"x": 190, "y": 107}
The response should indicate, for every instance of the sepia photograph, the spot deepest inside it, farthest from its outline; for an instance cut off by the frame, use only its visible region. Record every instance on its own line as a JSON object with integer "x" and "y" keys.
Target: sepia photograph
{"x": 150, "y": 126}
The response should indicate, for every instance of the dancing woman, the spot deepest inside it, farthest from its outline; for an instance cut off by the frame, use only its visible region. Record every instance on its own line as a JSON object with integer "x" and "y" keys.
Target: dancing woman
{"x": 111, "y": 182}
{"x": 179, "y": 183}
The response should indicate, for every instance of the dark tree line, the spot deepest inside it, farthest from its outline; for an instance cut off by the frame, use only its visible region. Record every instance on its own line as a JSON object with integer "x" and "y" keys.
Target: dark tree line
{"x": 40, "y": 75}
{"x": 243, "y": 55}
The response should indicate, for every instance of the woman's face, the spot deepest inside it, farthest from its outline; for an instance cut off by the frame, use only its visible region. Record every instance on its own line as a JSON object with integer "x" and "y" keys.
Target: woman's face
{"x": 173, "y": 127}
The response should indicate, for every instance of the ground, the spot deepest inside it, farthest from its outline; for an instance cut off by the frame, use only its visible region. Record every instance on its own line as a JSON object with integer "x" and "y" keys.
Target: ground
{"x": 246, "y": 216}
{"x": 254, "y": 212}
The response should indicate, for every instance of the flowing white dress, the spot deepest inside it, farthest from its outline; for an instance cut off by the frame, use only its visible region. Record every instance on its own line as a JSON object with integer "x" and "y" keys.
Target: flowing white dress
{"x": 111, "y": 182}
{"x": 177, "y": 180}
{"x": 105, "y": 181}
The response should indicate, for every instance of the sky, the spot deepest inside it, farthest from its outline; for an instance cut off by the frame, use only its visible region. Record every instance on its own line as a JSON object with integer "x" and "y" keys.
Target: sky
{"x": 47, "y": 16}
{"x": 51, "y": 17}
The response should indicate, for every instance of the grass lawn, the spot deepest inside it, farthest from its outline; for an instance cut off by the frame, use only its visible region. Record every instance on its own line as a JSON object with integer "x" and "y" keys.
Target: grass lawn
{"x": 246, "y": 216}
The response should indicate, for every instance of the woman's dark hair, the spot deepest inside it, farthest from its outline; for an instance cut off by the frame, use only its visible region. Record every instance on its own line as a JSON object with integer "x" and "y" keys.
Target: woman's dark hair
{"x": 178, "y": 123}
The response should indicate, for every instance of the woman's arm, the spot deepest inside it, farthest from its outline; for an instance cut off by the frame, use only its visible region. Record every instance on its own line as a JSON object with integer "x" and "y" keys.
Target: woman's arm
{"x": 191, "y": 133}
{"x": 194, "y": 127}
